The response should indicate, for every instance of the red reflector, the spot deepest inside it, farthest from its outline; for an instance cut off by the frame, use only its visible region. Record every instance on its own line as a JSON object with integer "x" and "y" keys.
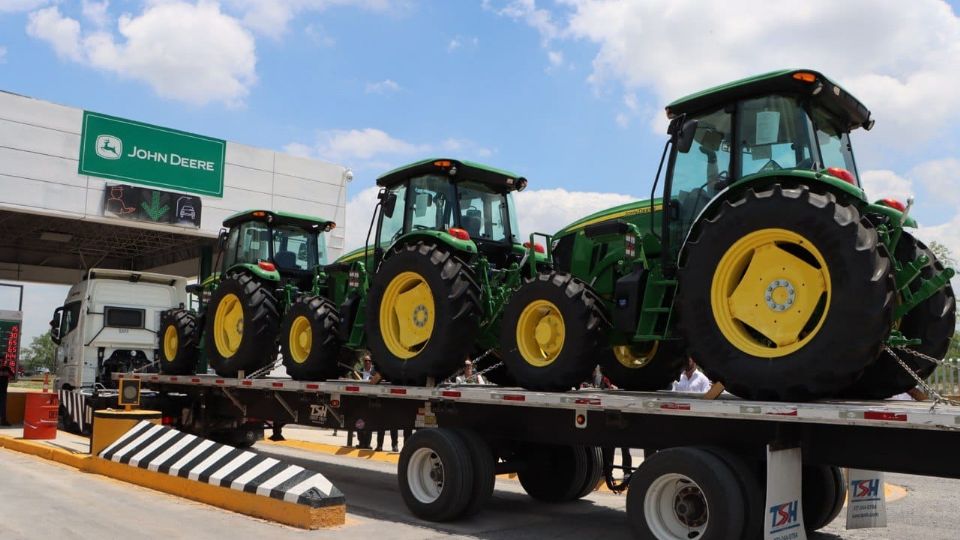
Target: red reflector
{"x": 312, "y": 386}
{"x": 277, "y": 385}
{"x": 450, "y": 393}
{"x": 398, "y": 391}
{"x": 538, "y": 247}
{"x": 675, "y": 406}
{"x": 895, "y": 204}
{"x": 267, "y": 265}
{"x": 884, "y": 415}
{"x": 335, "y": 403}
{"x": 173, "y": 379}
{"x": 458, "y": 233}
{"x": 514, "y": 397}
{"x": 842, "y": 174}
{"x": 352, "y": 389}
{"x": 137, "y": 377}
{"x": 246, "y": 383}
{"x": 195, "y": 380}
{"x": 167, "y": 420}
{"x": 587, "y": 401}
{"x": 219, "y": 381}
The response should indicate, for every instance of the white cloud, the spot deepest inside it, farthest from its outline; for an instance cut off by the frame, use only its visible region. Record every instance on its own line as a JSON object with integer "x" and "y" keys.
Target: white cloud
{"x": 938, "y": 177}
{"x": 359, "y": 211}
{"x": 882, "y": 184}
{"x": 555, "y": 58}
{"x": 460, "y": 41}
{"x": 272, "y": 17}
{"x": 96, "y": 12}
{"x": 14, "y": 6}
{"x": 192, "y": 53}
{"x": 385, "y": 86}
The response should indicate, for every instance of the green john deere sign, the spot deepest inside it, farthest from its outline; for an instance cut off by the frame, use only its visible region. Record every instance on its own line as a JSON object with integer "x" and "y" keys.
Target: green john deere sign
{"x": 121, "y": 149}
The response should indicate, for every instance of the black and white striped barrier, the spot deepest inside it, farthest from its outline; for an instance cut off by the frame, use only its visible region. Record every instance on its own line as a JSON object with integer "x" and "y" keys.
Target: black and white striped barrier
{"x": 168, "y": 451}
{"x": 76, "y": 407}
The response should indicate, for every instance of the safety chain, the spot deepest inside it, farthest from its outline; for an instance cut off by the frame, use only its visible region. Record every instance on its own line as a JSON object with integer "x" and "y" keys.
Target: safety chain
{"x": 264, "y": 370}
{"x": 937, "y": 398}
{"x": 480, "y": 373}
{"x": 142, "y": 368}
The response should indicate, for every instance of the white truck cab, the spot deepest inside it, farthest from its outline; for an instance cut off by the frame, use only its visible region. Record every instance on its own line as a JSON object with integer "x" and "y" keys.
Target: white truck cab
{"x": 109, "y": 323}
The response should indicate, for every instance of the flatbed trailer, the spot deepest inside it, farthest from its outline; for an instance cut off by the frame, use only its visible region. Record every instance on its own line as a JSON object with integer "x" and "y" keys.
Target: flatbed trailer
{"x": 527, "y": 432}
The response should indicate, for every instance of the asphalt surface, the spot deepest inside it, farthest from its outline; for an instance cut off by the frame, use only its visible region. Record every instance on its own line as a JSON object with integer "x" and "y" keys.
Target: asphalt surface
{"x": 46, "y": 500}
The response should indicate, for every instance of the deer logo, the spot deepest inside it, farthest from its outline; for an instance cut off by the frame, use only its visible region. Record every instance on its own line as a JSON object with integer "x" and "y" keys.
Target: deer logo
{"x": 109, "y": 147}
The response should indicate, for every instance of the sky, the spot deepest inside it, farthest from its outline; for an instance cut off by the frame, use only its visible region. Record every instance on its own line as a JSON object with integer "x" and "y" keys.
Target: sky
{"x": 568, "y": 93}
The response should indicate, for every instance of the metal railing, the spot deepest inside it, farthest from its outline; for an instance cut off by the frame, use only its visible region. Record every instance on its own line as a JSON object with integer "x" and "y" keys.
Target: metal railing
{"x": 946, "y": 378}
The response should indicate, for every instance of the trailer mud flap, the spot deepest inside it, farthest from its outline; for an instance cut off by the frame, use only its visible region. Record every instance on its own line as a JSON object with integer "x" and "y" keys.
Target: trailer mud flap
{"x": 866, "y": 503}
{"x": 783, "y": 519}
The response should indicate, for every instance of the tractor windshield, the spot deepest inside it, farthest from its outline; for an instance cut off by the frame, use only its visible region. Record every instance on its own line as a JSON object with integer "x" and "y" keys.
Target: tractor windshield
{"x": 297, "y": 249}
{"x": 484, "y": 213}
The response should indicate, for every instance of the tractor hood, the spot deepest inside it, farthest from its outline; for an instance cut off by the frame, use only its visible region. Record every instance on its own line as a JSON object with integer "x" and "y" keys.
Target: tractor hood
{"x": 628, "y": 212}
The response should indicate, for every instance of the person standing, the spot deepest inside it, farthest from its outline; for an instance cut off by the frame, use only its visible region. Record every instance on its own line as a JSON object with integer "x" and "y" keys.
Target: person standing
{"x": 692, "y": 380}
{"x": 468, "y": 376}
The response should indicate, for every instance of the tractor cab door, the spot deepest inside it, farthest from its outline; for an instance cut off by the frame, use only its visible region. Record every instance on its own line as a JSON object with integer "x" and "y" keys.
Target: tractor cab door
{"x": 296, "y": 253}
{"x": 486, "y": 216}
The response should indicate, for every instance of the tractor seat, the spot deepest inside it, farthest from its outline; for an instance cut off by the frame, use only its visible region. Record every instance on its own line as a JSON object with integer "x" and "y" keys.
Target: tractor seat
{"x": 286, "y": 260}
{"x": 471, "y": 223}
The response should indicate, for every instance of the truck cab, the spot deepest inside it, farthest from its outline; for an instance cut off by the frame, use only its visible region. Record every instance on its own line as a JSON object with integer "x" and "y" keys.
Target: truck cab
{"x": 108, "y": 323}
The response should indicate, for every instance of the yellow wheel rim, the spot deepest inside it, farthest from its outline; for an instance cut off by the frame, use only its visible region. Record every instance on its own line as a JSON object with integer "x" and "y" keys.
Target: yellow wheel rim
{"x": 407, "y": 315}
{"x": 634, "y": 358}
{"x": 540, "y": 333}
{"x": 170, "y": 343}
{"x": 301, "y": 339}
{"x": 770, "y": 293}
{"x": 228, "y": 325}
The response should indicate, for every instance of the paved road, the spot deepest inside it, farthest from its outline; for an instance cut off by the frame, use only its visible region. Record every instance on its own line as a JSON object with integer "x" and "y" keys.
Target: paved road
{"x": 46, "y": 500}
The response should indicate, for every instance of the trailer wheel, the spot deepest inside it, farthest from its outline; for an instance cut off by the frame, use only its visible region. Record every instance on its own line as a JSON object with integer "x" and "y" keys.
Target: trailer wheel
{"x": 241, "y": 326}
{"x": 754, "y": 494}
{"x": 551, "y": 329}
{"x": 785, "y": 294}
{"x": 932, "y": 322}
{"x": 308, "y": 340}
{"x": 554, "y": 473}
{"x": 423, "y": 312}
{"x": 178, "y": 342}
{"x": 484, "y": 473}
{"x": 824, "y": 492}
{"x": 644, "y": 367}
{"x": 594, "y": 472}
{"x": 436, "y": 474}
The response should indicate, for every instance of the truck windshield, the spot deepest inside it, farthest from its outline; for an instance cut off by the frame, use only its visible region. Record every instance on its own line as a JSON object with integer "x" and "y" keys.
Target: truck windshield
{"x": 484, "y": 214}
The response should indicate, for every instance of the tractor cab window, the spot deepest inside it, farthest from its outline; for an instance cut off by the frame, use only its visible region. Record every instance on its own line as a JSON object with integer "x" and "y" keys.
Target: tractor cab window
{"x": 391, "y": 227}
{"x": 294, "y": 248}
{"x": 254, "y": 243}
{"x": 430, "y": 203}
{"x": 774, "y": 134}
{"x": 834, "y": 143}
{"x": 484, "y": 214}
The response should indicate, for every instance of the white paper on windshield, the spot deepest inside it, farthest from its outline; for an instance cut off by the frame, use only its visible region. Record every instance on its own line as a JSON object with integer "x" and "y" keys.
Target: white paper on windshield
{"x": 768, "y": 127}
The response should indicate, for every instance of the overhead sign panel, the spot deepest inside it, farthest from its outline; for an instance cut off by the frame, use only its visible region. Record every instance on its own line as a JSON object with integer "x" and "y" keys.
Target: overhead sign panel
{"x": 122, "y": 149}
{"x": 151, "y": 205}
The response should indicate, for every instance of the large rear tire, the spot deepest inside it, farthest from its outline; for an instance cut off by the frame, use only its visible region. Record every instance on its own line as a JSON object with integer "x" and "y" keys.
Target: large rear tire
{"x": 423, "y": 314}
{"x": 784, "y": 294}
{"x": 309, "y": 341}
{"x": 555, "y": 473}
{"x": 241, "y": 326}
{"x": 551, "y": 330}
{"x": 435, "y": 473}
{"x": 932, "y": 322}
{"x": 178, "y": 342}
{"x": 647, "y": 367}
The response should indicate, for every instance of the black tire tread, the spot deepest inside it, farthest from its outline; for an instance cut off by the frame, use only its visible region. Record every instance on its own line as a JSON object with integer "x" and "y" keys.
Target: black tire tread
{"x": 259, "y": 328}
{"x": 185, "y": 322}
{"x": 323, "y": 361}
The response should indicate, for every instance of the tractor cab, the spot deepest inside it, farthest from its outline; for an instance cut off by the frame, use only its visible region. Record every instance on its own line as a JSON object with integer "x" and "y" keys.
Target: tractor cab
{"x": 278, "y": 246}
{"x": 780, "y": 125}
{"x": 467, "y": 201}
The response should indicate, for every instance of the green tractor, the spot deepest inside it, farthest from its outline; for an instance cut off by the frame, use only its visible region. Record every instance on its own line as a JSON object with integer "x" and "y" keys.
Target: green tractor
{"x": 266, "y": 290}
{"x": 430, "y": 288}
{"x": 763, "y": 260}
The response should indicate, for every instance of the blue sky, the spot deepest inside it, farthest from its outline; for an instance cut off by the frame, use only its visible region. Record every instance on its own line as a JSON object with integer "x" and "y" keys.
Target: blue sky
{"x": 569, "y": 93}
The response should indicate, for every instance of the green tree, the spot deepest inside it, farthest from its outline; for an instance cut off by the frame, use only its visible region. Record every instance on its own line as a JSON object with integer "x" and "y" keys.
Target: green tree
{"x": 943, "y": 253}
{"x": 42, "y": 352}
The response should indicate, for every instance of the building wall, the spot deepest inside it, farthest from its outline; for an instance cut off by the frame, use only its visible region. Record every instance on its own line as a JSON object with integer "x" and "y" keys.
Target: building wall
{"x": 39, "y": 154}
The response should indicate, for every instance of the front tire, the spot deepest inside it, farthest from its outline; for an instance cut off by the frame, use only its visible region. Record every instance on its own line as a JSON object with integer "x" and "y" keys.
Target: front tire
{"x": 178, "y": 342}
{"x": 241, "y": 326}
{"x": 644, "y": 367}
{"x": 784, "y": 294}
{"x": 309, "y": 342}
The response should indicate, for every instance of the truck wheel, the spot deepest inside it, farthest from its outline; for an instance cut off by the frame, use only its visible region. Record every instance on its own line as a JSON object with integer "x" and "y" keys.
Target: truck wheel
{"x": 932, "y": 322}
{"x": 594, "y": 472}
{"x": 551, "y": 330}
{"x": 784, "y": 295}
{"x": 685, "y": 493}
{"x": 484, "y": 473}
{"x": 423, "y": 313}
{"x": 436, "y": 474}
{"x": 178, "y": 342}
{"x": 554, "y": 473}
{"x": 241, "y": 326}
{"x": 754, "y": 495}
{"x": 308, "y": 340}
{"x": 824, "y": 492}
{"x": 651, "y": 366}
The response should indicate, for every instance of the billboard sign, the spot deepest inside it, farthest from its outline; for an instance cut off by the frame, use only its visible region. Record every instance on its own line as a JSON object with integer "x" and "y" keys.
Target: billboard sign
{"x": 151, "y": 205}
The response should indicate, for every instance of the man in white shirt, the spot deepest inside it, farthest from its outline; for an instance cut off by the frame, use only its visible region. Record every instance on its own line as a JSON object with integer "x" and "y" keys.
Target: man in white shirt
{"x": 468, "y": 377}
{"x": 692, "y": 380}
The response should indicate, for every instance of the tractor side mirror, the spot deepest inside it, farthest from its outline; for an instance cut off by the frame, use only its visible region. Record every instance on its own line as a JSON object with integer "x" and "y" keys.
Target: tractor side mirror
{"x": 685, "y": 137}
{"x": 222, "y": 239}
{"x": 389, "y": 203}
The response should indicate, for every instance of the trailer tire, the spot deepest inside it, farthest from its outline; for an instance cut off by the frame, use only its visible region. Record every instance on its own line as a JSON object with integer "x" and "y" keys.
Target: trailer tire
{"x": 178, "y": 342}
{"x": 594, "y": 472}
{"x": 554, "y": 473}
{"x": 309, "y": 340}
{"x": 832, "y": 300}
{"x": 436, "y": 474}
{"x": 688, "y": 480}
{"x": 551, "y": 329}
{"x": 824, "y": 492}
{"x": 932, "y": 321}
{"x": 241, "y": 326}
{"x": 754, "y": 494}
{"x": 484, "y": 470}
{"x": 442, "y": 324}
{"x": 656, "y": 368}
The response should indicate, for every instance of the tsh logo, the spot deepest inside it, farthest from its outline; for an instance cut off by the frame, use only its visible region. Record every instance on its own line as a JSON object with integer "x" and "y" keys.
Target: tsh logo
{"x": 865, "y": 489}
{"x": 109, "y": 147}
{"x": 784, "y": 516}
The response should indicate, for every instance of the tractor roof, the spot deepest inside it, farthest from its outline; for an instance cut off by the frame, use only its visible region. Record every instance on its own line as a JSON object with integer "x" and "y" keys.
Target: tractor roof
{"x": 279, "y": 218}
{"x": 459, "y": 170}
{"x": 805, "y": 82}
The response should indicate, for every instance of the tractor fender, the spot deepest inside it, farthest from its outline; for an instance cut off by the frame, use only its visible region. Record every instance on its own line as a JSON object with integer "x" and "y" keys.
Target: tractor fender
{"x": 255, "y": 270}
{"x": 465, "y": 249}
